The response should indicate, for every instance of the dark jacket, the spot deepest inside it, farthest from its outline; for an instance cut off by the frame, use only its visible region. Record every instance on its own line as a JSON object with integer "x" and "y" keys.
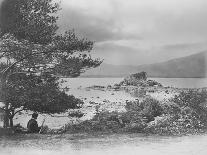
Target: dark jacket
{"x": 33, "y": 126}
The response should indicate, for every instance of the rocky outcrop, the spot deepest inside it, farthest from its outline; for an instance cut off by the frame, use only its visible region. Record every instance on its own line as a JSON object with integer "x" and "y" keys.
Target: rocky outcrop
{"x": 139, "y": 79}
{"x": 135, "y": 79}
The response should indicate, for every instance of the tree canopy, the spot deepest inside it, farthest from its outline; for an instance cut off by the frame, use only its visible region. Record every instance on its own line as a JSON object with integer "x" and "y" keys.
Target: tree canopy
{"x": 39, "y": 93}
{"x": 33, "y": 56}
{"x": 33, "y": 20}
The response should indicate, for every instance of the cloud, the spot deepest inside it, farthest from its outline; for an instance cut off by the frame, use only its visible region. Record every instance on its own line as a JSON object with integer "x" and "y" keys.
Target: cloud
{"x": 115, "y": 53}
{"x": 94, "y": 27}
{"x": 160, "y": 20}
{"x": 119, "y": 53}
{"x": 136, "y": 31}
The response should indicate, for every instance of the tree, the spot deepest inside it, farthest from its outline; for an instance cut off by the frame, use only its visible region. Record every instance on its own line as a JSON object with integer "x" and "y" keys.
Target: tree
{"x": 33, "y": 49}
{"x": 32, "y": 20}
{"x": 39, "y": 93}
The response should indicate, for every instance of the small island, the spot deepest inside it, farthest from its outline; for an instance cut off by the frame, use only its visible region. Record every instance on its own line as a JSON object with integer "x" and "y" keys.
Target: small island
{"x": 159, "y": 110}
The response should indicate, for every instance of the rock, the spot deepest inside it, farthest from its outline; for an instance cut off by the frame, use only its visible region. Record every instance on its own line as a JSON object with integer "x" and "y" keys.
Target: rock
{"x": 152, "y": 83}
{"x": 96, "y": 87}
{"x": 135, "y": 79}
{"x": 138, "y": 79}
{"x": 109, "y": 87}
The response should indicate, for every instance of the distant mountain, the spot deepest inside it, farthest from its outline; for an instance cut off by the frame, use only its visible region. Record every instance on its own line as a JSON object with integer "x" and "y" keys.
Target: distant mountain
{"x": 186, "y": 67}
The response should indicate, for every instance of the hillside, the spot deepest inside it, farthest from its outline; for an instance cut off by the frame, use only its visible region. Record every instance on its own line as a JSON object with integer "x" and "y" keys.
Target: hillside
{"x": 186, "y": 67}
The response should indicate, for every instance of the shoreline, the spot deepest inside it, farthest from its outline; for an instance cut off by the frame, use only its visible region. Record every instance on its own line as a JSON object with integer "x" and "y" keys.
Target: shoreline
{"x": 160, "y": 93}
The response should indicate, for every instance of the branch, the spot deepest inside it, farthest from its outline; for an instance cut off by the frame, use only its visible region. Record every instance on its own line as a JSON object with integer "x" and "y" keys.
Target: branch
{"x": 18, "y": 112}
{"x": 12, "y": 65}
{"x": 2, "y": 109}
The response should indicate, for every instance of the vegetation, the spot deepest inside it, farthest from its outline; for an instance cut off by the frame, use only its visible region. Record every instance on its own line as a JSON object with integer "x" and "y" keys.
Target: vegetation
{"x": 33, "y": 56}
{"x": 175, "y": 117}
{"x": 135, "y": 119}
{"x": 37, "y": 93}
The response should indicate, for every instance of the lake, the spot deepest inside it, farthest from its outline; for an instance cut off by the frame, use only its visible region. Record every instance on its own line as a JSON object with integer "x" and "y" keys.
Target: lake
{"x": 172, "y": 82}
{"x": 124, "y": 144}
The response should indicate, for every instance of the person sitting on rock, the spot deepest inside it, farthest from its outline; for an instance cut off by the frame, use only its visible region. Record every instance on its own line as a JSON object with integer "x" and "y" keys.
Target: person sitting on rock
{"x": 32, "y": 125}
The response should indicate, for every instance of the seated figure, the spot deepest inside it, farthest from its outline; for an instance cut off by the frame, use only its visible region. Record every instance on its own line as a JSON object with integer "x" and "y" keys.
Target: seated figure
{"x": 32, "y": 125}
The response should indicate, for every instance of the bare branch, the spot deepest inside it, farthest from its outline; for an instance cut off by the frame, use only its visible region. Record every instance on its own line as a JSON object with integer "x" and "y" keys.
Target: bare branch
{"x": 18, "y": 112}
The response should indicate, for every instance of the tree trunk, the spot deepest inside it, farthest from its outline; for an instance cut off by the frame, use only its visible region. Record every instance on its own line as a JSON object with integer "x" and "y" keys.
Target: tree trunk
{"x": 6, "y": 119}
{"x": 3, "y": 100}
{"x": 11, "y": 122}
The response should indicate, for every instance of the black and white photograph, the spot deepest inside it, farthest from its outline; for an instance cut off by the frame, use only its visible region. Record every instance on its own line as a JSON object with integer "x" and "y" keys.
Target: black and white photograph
{"x": 103, "y": 77}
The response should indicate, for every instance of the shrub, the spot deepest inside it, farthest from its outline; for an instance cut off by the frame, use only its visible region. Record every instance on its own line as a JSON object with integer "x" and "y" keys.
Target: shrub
{"x": 133, "y": 106}
{"x": 171, "y": 108}
{"x": 193, "y": 102}
{"x": 151, "y": 107}
{"x": 77, "y": 114}
{"x": 191, "y": 98}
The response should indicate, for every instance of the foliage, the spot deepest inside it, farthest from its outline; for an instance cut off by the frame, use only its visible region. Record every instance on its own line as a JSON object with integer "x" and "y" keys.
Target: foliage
{"x": 171, "y": 108}
{"x": 148, "y": 108}
{"x": 185, "y": 114}
{"x": 33, "y": 20}
{"x": 193, "y": 103}
{"x": 191, "y": 98}
{"x": 77, "y": 114}
{"x": 31, "y": 50}
{"x": 169, "y": 118}
{"x": 39, "y": 93}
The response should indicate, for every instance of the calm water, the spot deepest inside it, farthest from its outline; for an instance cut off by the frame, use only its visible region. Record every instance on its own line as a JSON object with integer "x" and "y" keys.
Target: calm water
{"x": 183, "y": 82}
{"x": 174, "y": 82}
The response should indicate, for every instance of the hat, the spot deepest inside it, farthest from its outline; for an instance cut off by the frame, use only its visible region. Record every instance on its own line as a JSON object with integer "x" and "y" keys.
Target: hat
{"x": 34, "y": 115}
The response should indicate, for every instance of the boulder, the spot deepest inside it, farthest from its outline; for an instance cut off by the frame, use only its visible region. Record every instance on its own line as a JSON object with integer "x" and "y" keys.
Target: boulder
{"x": 135, "y": 79}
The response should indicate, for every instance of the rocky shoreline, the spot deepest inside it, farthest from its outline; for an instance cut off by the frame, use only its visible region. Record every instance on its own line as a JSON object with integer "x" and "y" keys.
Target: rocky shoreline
{"x": 155, "y": 109}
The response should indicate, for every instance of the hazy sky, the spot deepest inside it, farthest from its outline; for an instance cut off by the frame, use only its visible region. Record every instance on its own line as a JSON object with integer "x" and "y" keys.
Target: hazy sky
{"x": 139, "y": 31}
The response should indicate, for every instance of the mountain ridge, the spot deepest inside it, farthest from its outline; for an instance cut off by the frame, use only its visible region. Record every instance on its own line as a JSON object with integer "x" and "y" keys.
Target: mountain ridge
{"x": 192, "y": 66}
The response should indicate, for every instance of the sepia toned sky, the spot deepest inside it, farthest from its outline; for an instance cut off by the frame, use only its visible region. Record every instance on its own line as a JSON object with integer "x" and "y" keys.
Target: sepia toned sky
{"x": 138, "y": 31}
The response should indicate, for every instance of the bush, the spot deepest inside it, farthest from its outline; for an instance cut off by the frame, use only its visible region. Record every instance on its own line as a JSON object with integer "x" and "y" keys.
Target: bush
{"x": 151, "y": 107}
{"x": 77, "y": 114}
{"x": 191, "y": 98}
{"x": 171, "y": 108}
{"x": 133, "y": 106}
{"x": 147, "y": 109}
{"x": 192, "y": 103}
{"x": 185, "y": 114}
